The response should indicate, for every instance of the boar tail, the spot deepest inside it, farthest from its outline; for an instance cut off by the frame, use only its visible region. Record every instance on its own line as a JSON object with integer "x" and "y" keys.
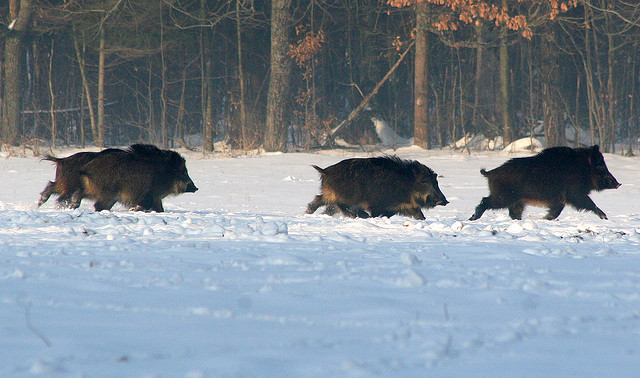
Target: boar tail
{"x": 483, "y": 172}
{"x": 51, "y": 158}
{"x": 319, "y": 169}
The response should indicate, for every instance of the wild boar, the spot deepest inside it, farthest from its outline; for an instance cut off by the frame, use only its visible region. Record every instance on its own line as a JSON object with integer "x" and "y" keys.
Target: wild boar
{"x": 67, "y": 182}
{"x": 379, "y": 186}
{"x": 553, "y": 178}
{"x": 139, "y": 178}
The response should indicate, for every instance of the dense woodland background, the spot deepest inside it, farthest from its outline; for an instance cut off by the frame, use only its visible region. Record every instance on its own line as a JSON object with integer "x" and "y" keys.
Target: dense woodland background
{"x": 298, "y": 74}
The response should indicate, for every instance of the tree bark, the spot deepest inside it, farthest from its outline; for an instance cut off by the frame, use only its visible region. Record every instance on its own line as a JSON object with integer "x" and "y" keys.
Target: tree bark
{"x": 421, "y": 78}
{"x": 589, "y": 74}
{"x": 553, "y": 128}
{"x": 99, "y": 140}
{"x": 478, "y": 79}
{"x": 243, "y": 105}
{"x": 163, "y": 89}
{"x": 20, "y": 12}
{"x": 611, "y": 96}
{"x": 505, "y": 95}
{"x": 86, "y": 86}
{"x": 209, "y": 125}
{"x": 52, "y": 107}
{"x": 206, "y": 84}
{"x": 275, "y": 137}
{"x": 179, "y": 134}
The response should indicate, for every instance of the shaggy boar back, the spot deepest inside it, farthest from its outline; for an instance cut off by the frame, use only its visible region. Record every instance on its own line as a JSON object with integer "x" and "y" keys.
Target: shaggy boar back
{"x": 139, "y": 178}
{"x": 555, "y": 177}
{"x": 379, "y": 186}
{"x": 67, "y": 182}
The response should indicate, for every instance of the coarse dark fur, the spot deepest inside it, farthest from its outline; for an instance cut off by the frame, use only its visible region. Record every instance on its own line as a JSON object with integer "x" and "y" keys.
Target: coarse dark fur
{"x": 67, "y": 182}
{"x": 139, "y": 178}
{"x": 379, "y": 186}
{"x": 555, "y": 177}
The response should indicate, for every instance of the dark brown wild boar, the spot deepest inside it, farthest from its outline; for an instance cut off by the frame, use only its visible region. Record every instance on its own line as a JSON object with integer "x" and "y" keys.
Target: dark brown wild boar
{"x": 381, "y": 186}
{"x": 555, "y": 177}
{"x": 139, "y": 178}
{"x": 67, "y": 182}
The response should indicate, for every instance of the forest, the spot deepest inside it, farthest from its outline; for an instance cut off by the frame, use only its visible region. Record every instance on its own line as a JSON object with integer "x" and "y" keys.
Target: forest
{"x": 287, "y": 75}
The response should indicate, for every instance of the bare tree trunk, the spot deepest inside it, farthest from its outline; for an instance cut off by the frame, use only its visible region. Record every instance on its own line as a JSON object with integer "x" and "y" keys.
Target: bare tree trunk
{"x": 82, "y": 115}
{"x": 209, "y": 125}
{"x": 632, "y": 100}
{"x": 275, "y": 137}
{"x": 99, "y": 141}
{"x": 163, "y": 90}
{"x": 52, "y": 108}
{"x": 463, "y": 122}
{"x": 438, "y": 104}
{"x": 590, "y": 85}
{"x": 2, "y": 112}
{"x": 532, "y": 113}
{"x": 600, "y": 108}
{"x": 479, "y": 68}
{"x": 150, "y": 121}
{"x": 206, "y": 67}
{"x": 611, "y": 91}
{"x": 20, "y": 12}
{"x": 179, "y": 135}
{"x": 551, "y": 99}
{"x": 421, "y": 78}
{"x": 243, "y": 105}
{"x": 87, "y": 88}
{"x": 507, "y": 127}
{"x": 452, "y": 93}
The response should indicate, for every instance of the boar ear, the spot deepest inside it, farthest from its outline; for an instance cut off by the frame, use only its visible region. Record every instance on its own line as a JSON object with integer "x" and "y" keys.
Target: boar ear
{"x": 416, "y": 169}
{"x": 595, "y": 157}
{"x": 176, "y": 160}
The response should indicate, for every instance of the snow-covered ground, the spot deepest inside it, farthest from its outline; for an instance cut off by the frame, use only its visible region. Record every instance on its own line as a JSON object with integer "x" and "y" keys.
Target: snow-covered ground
{"x": 235, "y": 280}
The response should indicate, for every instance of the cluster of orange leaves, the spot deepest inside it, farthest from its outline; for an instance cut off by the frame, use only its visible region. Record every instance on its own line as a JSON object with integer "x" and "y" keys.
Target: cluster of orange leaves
{"x": 398, "y": 43}
{"x": 473, "y": 11}
{"x": 309, "y": 44}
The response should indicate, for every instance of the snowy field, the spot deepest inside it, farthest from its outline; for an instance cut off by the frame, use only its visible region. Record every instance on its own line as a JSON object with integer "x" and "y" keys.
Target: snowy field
{"x": 236, "y": 281}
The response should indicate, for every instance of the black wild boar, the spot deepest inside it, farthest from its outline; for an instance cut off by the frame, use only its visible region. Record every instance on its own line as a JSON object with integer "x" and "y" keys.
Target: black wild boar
{"x": 139, "y": 178}
{"x": 67, "y": 182}
{"x": 555, "y": 177}
{"x": 382, "y": 186}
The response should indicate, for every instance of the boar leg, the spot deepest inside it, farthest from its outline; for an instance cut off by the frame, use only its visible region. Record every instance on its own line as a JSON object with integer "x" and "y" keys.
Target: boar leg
{"x": 382, "y": 212}
{"x": 66, "y": 200}
{"x": 516, "y": 209}
{"x": 104, "y": 205}
{"x": 316, "y": 203}
{"x": 329, "y": 210}
{"x": 361, "y": 213}
{"x": 76, "y": 199}
{"x": 149, "y": 203}
{"x": 47, "y": 192}
{"x": 554, "y": 210}
{"x": 586, "y": 203}
{"x": 156, "y": 208}
{"x": 481, "y": 208}
{"x": 157, "y": 205}
{"x": 354, "y": 212}
{"x": 415, "y": 212}
{"x": 346, "y": 210}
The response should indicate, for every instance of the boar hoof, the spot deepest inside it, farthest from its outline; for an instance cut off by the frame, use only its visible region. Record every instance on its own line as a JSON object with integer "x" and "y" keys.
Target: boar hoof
{"x": 600, "y": 213}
